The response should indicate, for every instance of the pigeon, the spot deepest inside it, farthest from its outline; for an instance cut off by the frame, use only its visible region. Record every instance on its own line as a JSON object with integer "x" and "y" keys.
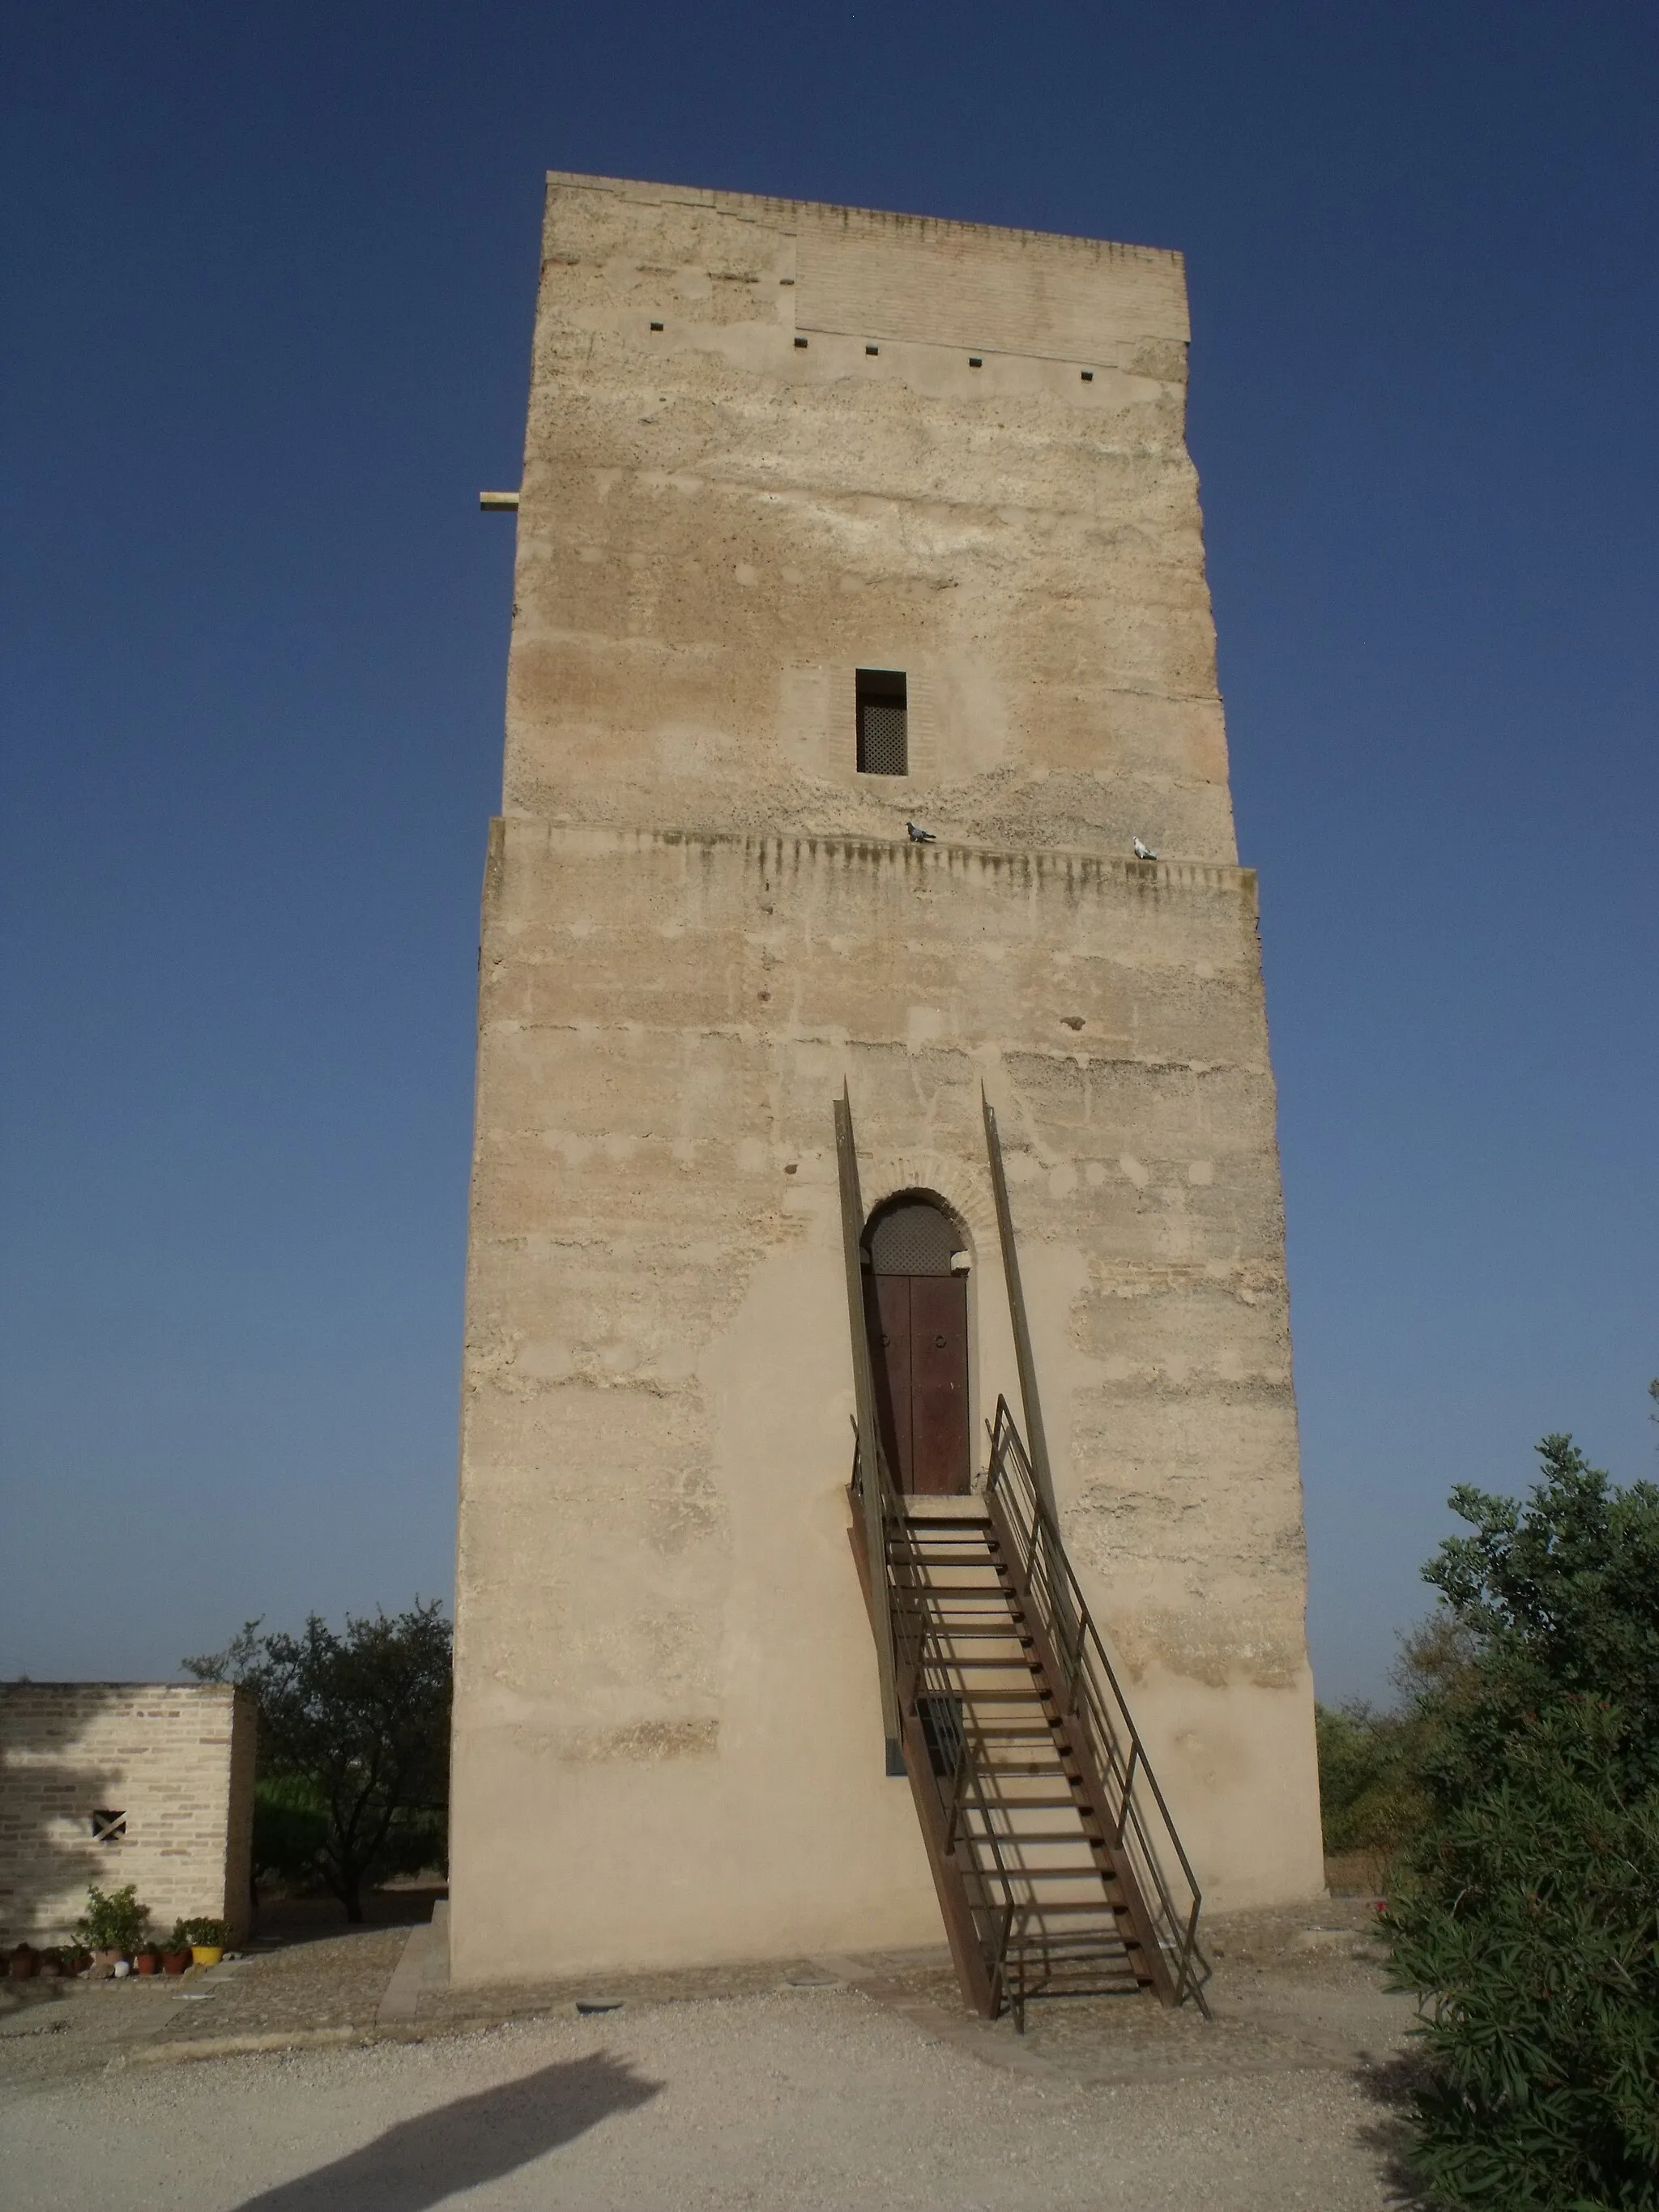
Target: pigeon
{"x": 919, "y": 837}
{"x": 1144, "y": 852}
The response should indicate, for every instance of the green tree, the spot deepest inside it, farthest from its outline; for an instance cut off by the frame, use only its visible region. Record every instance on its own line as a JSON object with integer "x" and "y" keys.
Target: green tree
{"x": 354, "y": 1728}
{"x": 1525, "y": 1911}
{"x": 1370, "y": 1762}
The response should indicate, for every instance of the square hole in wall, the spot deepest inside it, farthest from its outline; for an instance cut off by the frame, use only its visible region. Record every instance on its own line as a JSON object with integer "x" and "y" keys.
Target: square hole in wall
{"x": 975, "y": 361}
{"x": 656, "y": 326}
{"x": 109, "y": 1827}
{"x": 1088, "y": 376}
{"x": 884, "y": 722}
{"x": 800, "y": 345}
{"x": 872, "y": 348}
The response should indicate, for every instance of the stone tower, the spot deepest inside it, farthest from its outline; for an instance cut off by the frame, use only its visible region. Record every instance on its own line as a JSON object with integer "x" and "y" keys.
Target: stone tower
{"x": 834, "y": 521}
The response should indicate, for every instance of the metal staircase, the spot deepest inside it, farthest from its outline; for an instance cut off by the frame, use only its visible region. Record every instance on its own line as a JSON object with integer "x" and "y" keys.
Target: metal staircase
{"x": 1057, "y": 1866}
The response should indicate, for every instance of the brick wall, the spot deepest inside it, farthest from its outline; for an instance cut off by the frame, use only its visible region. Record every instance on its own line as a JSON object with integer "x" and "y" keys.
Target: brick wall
{"x": 174, "y": 1760}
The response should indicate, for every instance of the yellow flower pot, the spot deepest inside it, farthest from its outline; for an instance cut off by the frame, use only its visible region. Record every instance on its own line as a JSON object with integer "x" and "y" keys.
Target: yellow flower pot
{"x": 207, "y": 1954}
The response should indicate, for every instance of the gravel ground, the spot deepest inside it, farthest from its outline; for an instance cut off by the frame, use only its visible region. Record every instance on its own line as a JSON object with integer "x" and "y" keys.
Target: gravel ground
{"x": 866, "y": 2084}
{"x": 816, "y": 2098}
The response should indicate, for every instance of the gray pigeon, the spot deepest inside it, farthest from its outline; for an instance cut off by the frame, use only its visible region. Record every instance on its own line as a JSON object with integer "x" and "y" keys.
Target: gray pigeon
{"x": 920, "y": 836}
{"x": 1144, "y": 852}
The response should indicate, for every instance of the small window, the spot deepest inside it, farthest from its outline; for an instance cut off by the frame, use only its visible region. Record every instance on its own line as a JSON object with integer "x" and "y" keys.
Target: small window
{"x": 108, "y": 1827}
{"x": 800, "y": 345}
{"x": 883, "y": 720}
{"x": 656, "y": 326}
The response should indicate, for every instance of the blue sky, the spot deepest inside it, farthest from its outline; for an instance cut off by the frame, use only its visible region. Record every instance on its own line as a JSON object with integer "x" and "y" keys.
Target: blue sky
{"x": 271, "y": 274}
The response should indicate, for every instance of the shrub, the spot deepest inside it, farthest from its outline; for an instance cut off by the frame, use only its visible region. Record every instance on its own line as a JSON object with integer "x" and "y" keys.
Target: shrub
{"x": 1368, "y": 1800}
{"x": 1525, "y": 1911}
{"x": 290, "y": 1830}
{"x": 1528, "y": 1916}
{"x": 113, "y": 1921}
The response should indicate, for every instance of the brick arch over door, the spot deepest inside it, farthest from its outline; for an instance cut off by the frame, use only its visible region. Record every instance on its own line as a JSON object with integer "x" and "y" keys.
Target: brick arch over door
{"x": 915, "y": 1308}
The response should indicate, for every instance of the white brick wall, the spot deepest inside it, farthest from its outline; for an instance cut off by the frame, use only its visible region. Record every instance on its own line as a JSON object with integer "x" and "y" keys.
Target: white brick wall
{"x": 176, "y": 1759}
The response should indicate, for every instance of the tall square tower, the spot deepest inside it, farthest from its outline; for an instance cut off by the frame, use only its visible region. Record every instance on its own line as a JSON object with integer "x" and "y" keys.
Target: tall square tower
{"x": 835, "y": 526}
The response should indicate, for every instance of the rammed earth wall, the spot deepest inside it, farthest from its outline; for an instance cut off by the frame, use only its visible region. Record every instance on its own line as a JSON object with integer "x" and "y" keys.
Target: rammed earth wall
{"x": 769, "y": 445}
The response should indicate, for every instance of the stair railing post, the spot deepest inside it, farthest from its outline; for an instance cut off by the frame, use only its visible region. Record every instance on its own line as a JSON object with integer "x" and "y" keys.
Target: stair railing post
{"x": 1036, "y": 1442}
{"x": 872, "y": 1466}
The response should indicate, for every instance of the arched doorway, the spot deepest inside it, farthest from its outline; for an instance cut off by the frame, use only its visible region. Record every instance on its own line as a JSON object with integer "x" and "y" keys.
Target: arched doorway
{"x": 915, "y": 1307}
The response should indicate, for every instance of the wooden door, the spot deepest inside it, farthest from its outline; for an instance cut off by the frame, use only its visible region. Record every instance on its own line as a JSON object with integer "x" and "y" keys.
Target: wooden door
{"x": 919, "y": 1362}
{"x": 939, "y": 1464}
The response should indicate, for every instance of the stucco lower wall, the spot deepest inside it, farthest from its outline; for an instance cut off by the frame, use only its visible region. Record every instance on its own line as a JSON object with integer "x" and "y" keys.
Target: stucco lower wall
{"x": 176, "y": 1761}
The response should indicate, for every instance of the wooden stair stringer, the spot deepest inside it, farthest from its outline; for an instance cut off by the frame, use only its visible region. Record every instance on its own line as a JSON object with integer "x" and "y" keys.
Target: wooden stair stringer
{"x": 955, "y": 1907}
{"x": 1148, "y": 1961}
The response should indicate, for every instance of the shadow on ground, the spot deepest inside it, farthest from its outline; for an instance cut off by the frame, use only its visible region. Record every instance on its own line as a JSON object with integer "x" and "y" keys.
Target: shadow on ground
{"x": 1392, "y": 2084}
{"x": 460, "y": 2145}
{"x": 314, "y": 1919}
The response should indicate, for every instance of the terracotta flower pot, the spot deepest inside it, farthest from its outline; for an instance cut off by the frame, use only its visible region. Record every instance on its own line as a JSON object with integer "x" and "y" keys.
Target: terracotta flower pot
{"x": 147, "y": 1962}
{"x": 104, "y": 1963}
{"x": 174, "y": 1962}
{"x": 24, "y": 1963}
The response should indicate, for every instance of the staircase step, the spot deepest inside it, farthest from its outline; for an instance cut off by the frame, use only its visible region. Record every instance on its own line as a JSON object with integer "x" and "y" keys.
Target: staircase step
{"x": 984, "y": 1593}
{"x": 947, "y": 1630}
{"x": 1022, "y": 1772}
{"x": 1010, "y": 1693}
{"x": 1097, "y": 1906}
{"x": 1087, "y": 1872}
{"x": 1012, "y": 1726}
{"x": 1026, "y": 1839}
{"x": 1036, "y": 1804}
{"x": 1026, "y": 1770}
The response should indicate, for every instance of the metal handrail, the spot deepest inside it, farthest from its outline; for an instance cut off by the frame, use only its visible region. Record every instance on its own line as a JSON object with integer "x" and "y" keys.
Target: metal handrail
{"x": 1141, "y": 1828}
{"x": 906, "y": 1570}
{"x": 1091, "y": 1700}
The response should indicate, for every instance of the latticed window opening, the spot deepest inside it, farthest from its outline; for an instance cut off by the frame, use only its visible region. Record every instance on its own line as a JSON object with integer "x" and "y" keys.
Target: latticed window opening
{"x": 108, "y": 1826}
{"x": 912, "y": 1238}
{"x": 884, "y": 722}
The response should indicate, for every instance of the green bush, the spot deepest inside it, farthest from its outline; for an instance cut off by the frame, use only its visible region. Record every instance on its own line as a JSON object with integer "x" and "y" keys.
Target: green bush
{"x": 1369, "y": 1799}
{"x": 113, "y": 1921}
{"x": 1524, "y": 1912}
{"x": 290, "y": 1830}
{"x": 1370, "y": 1763}
{"x": 1528, "y": 1918}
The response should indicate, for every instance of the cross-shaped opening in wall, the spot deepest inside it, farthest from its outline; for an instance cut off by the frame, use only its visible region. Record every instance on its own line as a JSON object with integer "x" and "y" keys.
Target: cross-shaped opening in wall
{"x": 109, "y": 1827}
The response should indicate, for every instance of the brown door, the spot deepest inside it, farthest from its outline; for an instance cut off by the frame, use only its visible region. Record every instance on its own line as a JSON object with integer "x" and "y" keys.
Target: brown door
{"x": 919, "y": 1359}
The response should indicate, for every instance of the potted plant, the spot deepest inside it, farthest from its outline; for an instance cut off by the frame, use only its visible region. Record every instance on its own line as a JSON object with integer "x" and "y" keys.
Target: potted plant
{"x": 24, "y": 1962}
{"x": 175, "y": 1952}
{"x": 207, "y": 1940}
{"x": 111, "y": 1928}
{"x": 146, "y": 1960}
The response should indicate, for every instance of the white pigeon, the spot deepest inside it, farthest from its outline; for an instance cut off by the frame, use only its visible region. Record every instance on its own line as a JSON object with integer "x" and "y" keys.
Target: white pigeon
{"x": 1144, "y": 852}
{"x": 919, "y": 837}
